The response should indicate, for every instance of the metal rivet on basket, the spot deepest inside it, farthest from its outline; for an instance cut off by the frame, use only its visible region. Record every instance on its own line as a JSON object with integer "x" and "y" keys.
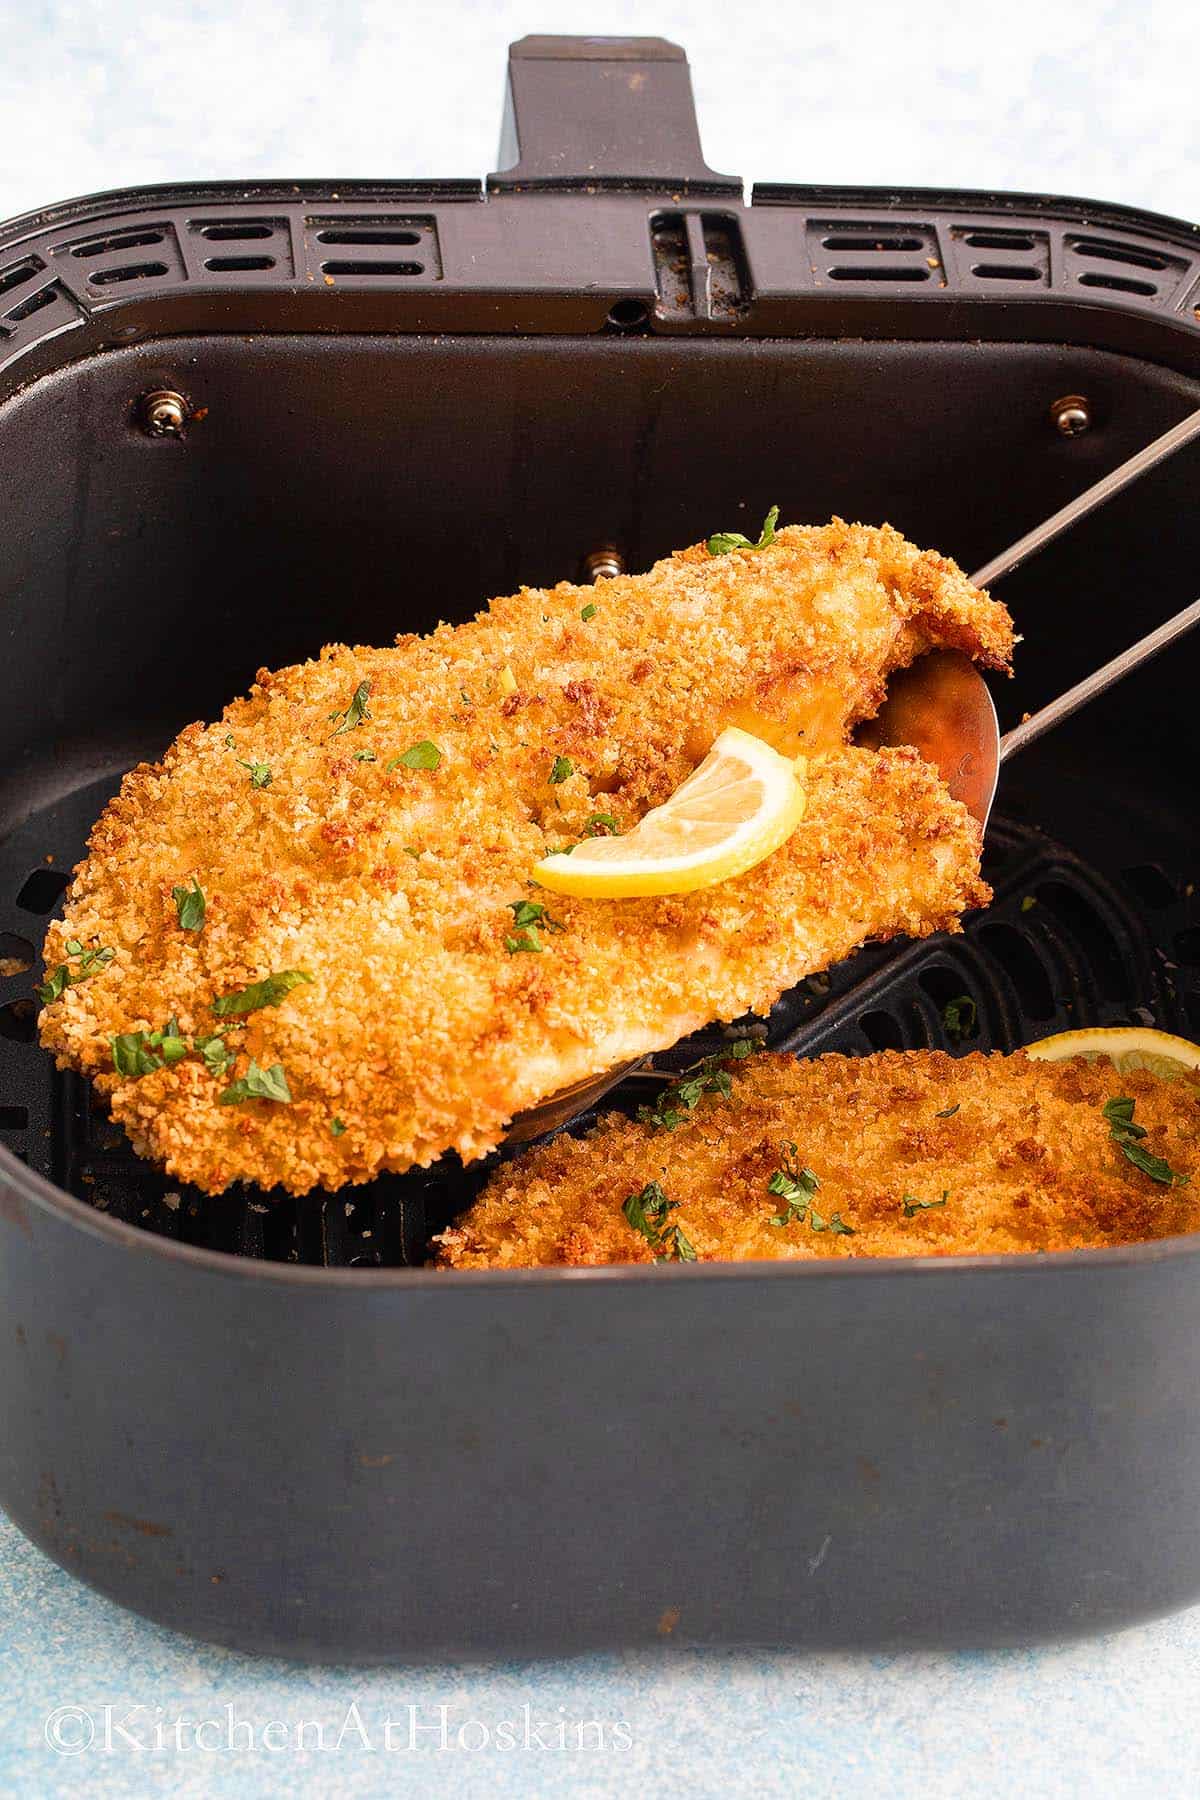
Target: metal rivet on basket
{"x": 603, "y": 564}
{"x": 163, "y": 413}
{"x": 1072, "y": 415}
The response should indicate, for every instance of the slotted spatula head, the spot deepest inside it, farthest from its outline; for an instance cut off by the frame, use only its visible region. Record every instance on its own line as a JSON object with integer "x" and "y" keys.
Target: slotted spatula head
{"x": 941, "y": 706}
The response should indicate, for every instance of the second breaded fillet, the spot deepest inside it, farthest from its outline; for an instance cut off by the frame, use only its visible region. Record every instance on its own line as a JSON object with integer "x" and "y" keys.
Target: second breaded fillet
{"x": 907, "y": 1153}
{"x": 369, "y": 821}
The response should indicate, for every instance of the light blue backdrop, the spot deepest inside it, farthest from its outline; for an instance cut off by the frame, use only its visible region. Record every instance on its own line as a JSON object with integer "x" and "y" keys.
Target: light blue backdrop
{"x": 1077, "y": 98}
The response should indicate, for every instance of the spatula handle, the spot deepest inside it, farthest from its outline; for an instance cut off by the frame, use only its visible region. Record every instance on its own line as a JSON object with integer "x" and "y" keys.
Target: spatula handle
{"x": 1089, "y": 500}
{"x": 1097, "y": 682}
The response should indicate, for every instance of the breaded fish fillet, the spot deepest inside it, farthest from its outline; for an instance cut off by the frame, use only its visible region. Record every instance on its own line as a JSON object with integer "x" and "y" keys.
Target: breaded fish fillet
{"x": 908, "y": 1153}
{"x": 365, "y": 825}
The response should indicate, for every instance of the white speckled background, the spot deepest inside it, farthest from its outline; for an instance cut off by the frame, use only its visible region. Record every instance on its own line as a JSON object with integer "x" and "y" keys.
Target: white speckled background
{"x": 1060, "y": 95}
{"x": 1091, "y": 99}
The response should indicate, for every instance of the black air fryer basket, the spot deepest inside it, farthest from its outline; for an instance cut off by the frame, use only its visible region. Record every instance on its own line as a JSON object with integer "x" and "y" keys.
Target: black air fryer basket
{"x": 239, "y": 421}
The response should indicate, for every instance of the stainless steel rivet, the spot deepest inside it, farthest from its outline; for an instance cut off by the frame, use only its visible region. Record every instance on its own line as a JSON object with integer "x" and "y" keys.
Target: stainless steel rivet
{"x": 602, "y": 565}
{"x": 163, "y": 413}
{"x": 1071, "y": 415}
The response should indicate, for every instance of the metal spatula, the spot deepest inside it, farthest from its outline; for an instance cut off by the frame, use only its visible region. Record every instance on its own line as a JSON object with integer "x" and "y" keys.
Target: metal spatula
{"x": 941, "y": 705}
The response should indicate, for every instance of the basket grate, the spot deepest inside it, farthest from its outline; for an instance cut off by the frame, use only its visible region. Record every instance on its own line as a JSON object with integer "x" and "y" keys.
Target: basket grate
{"x": 1062, "y": 945}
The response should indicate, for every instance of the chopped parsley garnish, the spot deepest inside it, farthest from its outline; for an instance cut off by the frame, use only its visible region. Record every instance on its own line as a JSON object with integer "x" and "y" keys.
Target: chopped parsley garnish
{"x": 588, "y": 612}
{"x": 88, "y": 963}
{"x": 794, "y": 1185}
{"x": 1118, "y": 1116}
{"x": 912, "y": 1207}
{"x": 189, "y": 904}
{"x": 563, "y": 769}
{"x": 527, "y": 916}
{"x": 267, "y": 992}
{"x": 418, "y": 756}
{"x": 960, "y": 1016}
{"x": 709, "y": 1076}
{"x": 131, "y": 1054}
{"x": 722, "y": 542}
{"x": 365, "y": 756}
{"x": 646, "y": 1213}
{"x": 258, "y": 1084}
{"x": 527, "y": 941}
{"x": 836, "y": 1224}
{"x": 336, "y": 1127}
{"x": 215, "y": 1054}
{"x": 54, "y": 984}
{"x": 1028, "y": 902}
{"x": 1127, "y": 1136}
{"x": 601, "y": 825}
{"x": 137, "y": 1053}
{"x": 948, "y": 1112}
{"x": 634, "y": 1208}
{"x": 260, "y": 773}
{"x": 797, "y": 1187}
{"x": 533, "y": 912}
{"x": 354, "y": 714}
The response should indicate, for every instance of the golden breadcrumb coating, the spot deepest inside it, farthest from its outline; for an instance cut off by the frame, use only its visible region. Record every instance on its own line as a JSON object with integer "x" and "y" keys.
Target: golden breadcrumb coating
{"x": 1019, "y": 1150}
{"x": 391, "y": 885}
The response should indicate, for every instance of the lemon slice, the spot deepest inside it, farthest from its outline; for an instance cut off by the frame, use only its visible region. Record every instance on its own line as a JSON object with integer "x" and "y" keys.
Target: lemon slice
{"x": 740, "y": 804}
{"x": 1126, "y": 1046}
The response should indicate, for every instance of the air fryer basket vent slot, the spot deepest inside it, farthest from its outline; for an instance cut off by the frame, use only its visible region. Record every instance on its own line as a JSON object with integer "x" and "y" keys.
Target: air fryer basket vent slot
{"x": 117, "y": 259}
{"x": 17, "y": 276}
{"x": 121, "y": 240}
{"x": 700, "y": 269}
{"x": 234, "y": 264}
{"x": 995, "y": 239}
{"x": 374, "y": 240}
{"x": 1006, "y": 272}
{"x": 232, "y": 231}
{"x": 672, "y": 276}
{"x": 215, "y": 249}
{"x": 41, "y": 891}
{"x": 16, "y": 954}
{"x": 36, "y": 314}
{"x": 1160, "y": 280}
{"x": 849, "y": 241}
{"x": 374, "y": 235}
{"x": 1117, "y": 284}
{"x": 1120, "y": 253}
{"x": 883, "y": 250}
{"x": 34, "y": 303}
{"x": 18, "y": 1020}
{"x": 877, "y": 272}
{"x": 372, "y": 268}
{"x": 984, "y": 255}
{"x": 128, "y": 272}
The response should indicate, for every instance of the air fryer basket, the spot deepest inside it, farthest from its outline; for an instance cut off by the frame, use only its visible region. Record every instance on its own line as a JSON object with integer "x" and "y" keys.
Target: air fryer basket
{"x": 261, "y": 1419}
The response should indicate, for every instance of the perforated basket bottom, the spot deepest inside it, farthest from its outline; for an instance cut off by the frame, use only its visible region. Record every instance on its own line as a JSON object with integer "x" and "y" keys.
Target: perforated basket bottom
{"x": 1062, "y": 945}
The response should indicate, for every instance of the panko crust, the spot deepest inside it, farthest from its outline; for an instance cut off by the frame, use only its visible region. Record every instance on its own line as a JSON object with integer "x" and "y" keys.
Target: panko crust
{"x": 392, "y": 886}
{"x": 1020, "y": 1149}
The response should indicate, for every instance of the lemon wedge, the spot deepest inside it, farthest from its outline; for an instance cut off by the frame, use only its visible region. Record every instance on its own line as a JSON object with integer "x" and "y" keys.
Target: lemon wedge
{"x": 1125, "y": 1046}
{"x": 744, "y": 801}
